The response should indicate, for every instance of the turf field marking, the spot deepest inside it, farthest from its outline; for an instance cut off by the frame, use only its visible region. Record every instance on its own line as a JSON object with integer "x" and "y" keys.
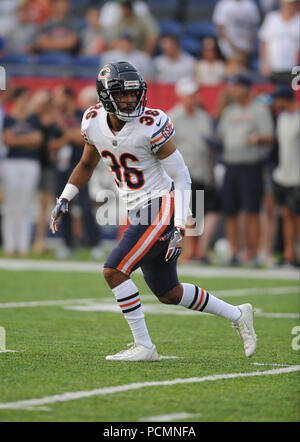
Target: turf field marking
{"x": 155, "y": 309}
{"x": 170, "y": 357}
{"x": 102, "y": 305}
{"x": 267, "y": 363}
{"x": 150, "y": 297}
{"x": 71, "y": 396}
{"x": 260, "y": 312}
{"x": 235, "y": 292}
{"x": 98, "y": 305}
{"x": 94, "y": 267}
{"x": 10, "y": 351}
{"x": 168, "y": 417}
{"x": 257, "y": 291}
{"x": 3, "y": 348}
{"x": 45, "y": 303}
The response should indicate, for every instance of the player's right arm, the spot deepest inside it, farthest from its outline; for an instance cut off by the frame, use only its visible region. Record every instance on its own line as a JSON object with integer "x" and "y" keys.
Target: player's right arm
{"x": 85, "y": 168}
{"x": 78, "y": 179}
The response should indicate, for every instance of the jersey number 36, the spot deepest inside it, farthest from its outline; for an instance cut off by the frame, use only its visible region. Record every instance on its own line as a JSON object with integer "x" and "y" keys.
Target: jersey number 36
{"x": 133, "y": 177}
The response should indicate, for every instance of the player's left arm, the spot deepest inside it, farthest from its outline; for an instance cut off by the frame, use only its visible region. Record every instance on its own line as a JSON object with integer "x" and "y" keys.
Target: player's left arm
{"x": 173, "y": 163}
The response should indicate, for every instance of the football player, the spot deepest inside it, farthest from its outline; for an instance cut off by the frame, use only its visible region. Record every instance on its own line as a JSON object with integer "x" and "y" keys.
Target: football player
{"x": 136, "y": 144}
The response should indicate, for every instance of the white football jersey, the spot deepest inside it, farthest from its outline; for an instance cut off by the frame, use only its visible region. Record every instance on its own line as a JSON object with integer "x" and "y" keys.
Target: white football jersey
{"x": 130, "y": 153}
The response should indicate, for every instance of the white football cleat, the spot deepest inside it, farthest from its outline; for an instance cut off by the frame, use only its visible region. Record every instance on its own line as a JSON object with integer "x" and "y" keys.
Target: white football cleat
{"x": 137, "y": 352}
{"x": 245, "y": 329}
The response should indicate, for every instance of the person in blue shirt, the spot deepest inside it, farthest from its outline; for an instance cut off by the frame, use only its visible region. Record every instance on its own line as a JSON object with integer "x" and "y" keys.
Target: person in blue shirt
{"x": 22, "y": 137}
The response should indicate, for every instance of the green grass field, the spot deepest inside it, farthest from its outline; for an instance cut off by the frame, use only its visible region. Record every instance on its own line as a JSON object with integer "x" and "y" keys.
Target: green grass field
{"x": 62, "y": 348}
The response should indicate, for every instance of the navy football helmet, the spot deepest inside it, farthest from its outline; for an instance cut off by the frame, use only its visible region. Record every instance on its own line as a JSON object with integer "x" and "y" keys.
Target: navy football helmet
{"x": 117, "y": 78}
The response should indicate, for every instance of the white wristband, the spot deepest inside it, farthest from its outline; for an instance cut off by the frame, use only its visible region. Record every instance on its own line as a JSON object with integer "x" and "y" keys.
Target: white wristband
{"x": 69, "y": 192}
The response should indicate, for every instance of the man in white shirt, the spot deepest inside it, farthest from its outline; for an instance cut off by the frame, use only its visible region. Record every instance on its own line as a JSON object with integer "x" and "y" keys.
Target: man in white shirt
{"x": 194, "y": 127}
{"x": 173, "y": 63}
{"x": 236, "y": 21}
{"x": 287, "y": 174}
{"x": 125, "y": 49}
{"x": 279, "y": 42}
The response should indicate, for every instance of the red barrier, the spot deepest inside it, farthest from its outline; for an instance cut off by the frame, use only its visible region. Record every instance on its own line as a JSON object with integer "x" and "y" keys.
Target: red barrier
{"x": 160, "y": 96}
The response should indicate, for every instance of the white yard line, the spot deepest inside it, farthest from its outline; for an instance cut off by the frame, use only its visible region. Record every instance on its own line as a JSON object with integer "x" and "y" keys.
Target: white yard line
{"x": 91, "y": 302}
{"x": 261, "y": 313}
{"x": 47, "y": 303}
{"x": 196, "y": 271}
{"x": 169, "y": 417}
{"x": 170, "y": 357}
{"x": 257, "y": 291}
{"x": 273, "y": 365}
{"x": 157, "y": 309}
{"x": 108, "y": 305}
{"x": 10, "y": 351}
{"x": 71, "y": 396}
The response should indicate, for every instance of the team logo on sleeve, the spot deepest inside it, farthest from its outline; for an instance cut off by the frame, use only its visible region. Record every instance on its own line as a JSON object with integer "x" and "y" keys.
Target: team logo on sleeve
{"x": 167, "y": 130}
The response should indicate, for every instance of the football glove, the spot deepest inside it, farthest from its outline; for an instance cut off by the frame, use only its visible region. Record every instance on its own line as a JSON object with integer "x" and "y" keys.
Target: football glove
{"x": 174, "y": 237}
{"x": 62, "y": 206}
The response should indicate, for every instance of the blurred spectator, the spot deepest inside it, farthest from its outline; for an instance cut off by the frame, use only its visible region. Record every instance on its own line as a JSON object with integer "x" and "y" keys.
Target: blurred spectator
{"x": 41, "y": 105}
{"x": 268, "y": 211}
{"x": 173, "y": 63}
{"x": 4, "y": 96}
{"x": 39, "y": 11}
{"x": 92, "y": 38}
{"x": 246, "y": 130}
{"x": 268, "y": 5}
{"x": 60, "y": 32}
{"x": 279, "y": 42}
{"x": 111, "y": 12}
{"x": 235, "y": 65}
{"x": 236, "y": 21}
{"x": 287, "y": 173}
{"x": 193, "y": 130}
{"x": 87, "y": 97}
{"x": 66, "y": 142}
{"x": 2, "y": 47}
{"x": 21, "y": 169}
{"x": 126, "y": 50}
{"x": 21, "y": 39}
{"x": 209, "y": 70}
{"x": 143, "y": 29}
{"x": 224, "y": 99}
{"x": 8, "y": 16}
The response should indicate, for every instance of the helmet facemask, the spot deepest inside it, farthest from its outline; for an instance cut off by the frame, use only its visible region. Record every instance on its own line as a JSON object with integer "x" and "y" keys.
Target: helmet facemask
{"x": 113, "y": 87}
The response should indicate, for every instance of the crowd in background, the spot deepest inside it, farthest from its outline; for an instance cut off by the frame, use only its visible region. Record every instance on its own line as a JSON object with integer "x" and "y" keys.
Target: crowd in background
{"x": 114, "y": 29}
{"x": 245, "y": 156}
